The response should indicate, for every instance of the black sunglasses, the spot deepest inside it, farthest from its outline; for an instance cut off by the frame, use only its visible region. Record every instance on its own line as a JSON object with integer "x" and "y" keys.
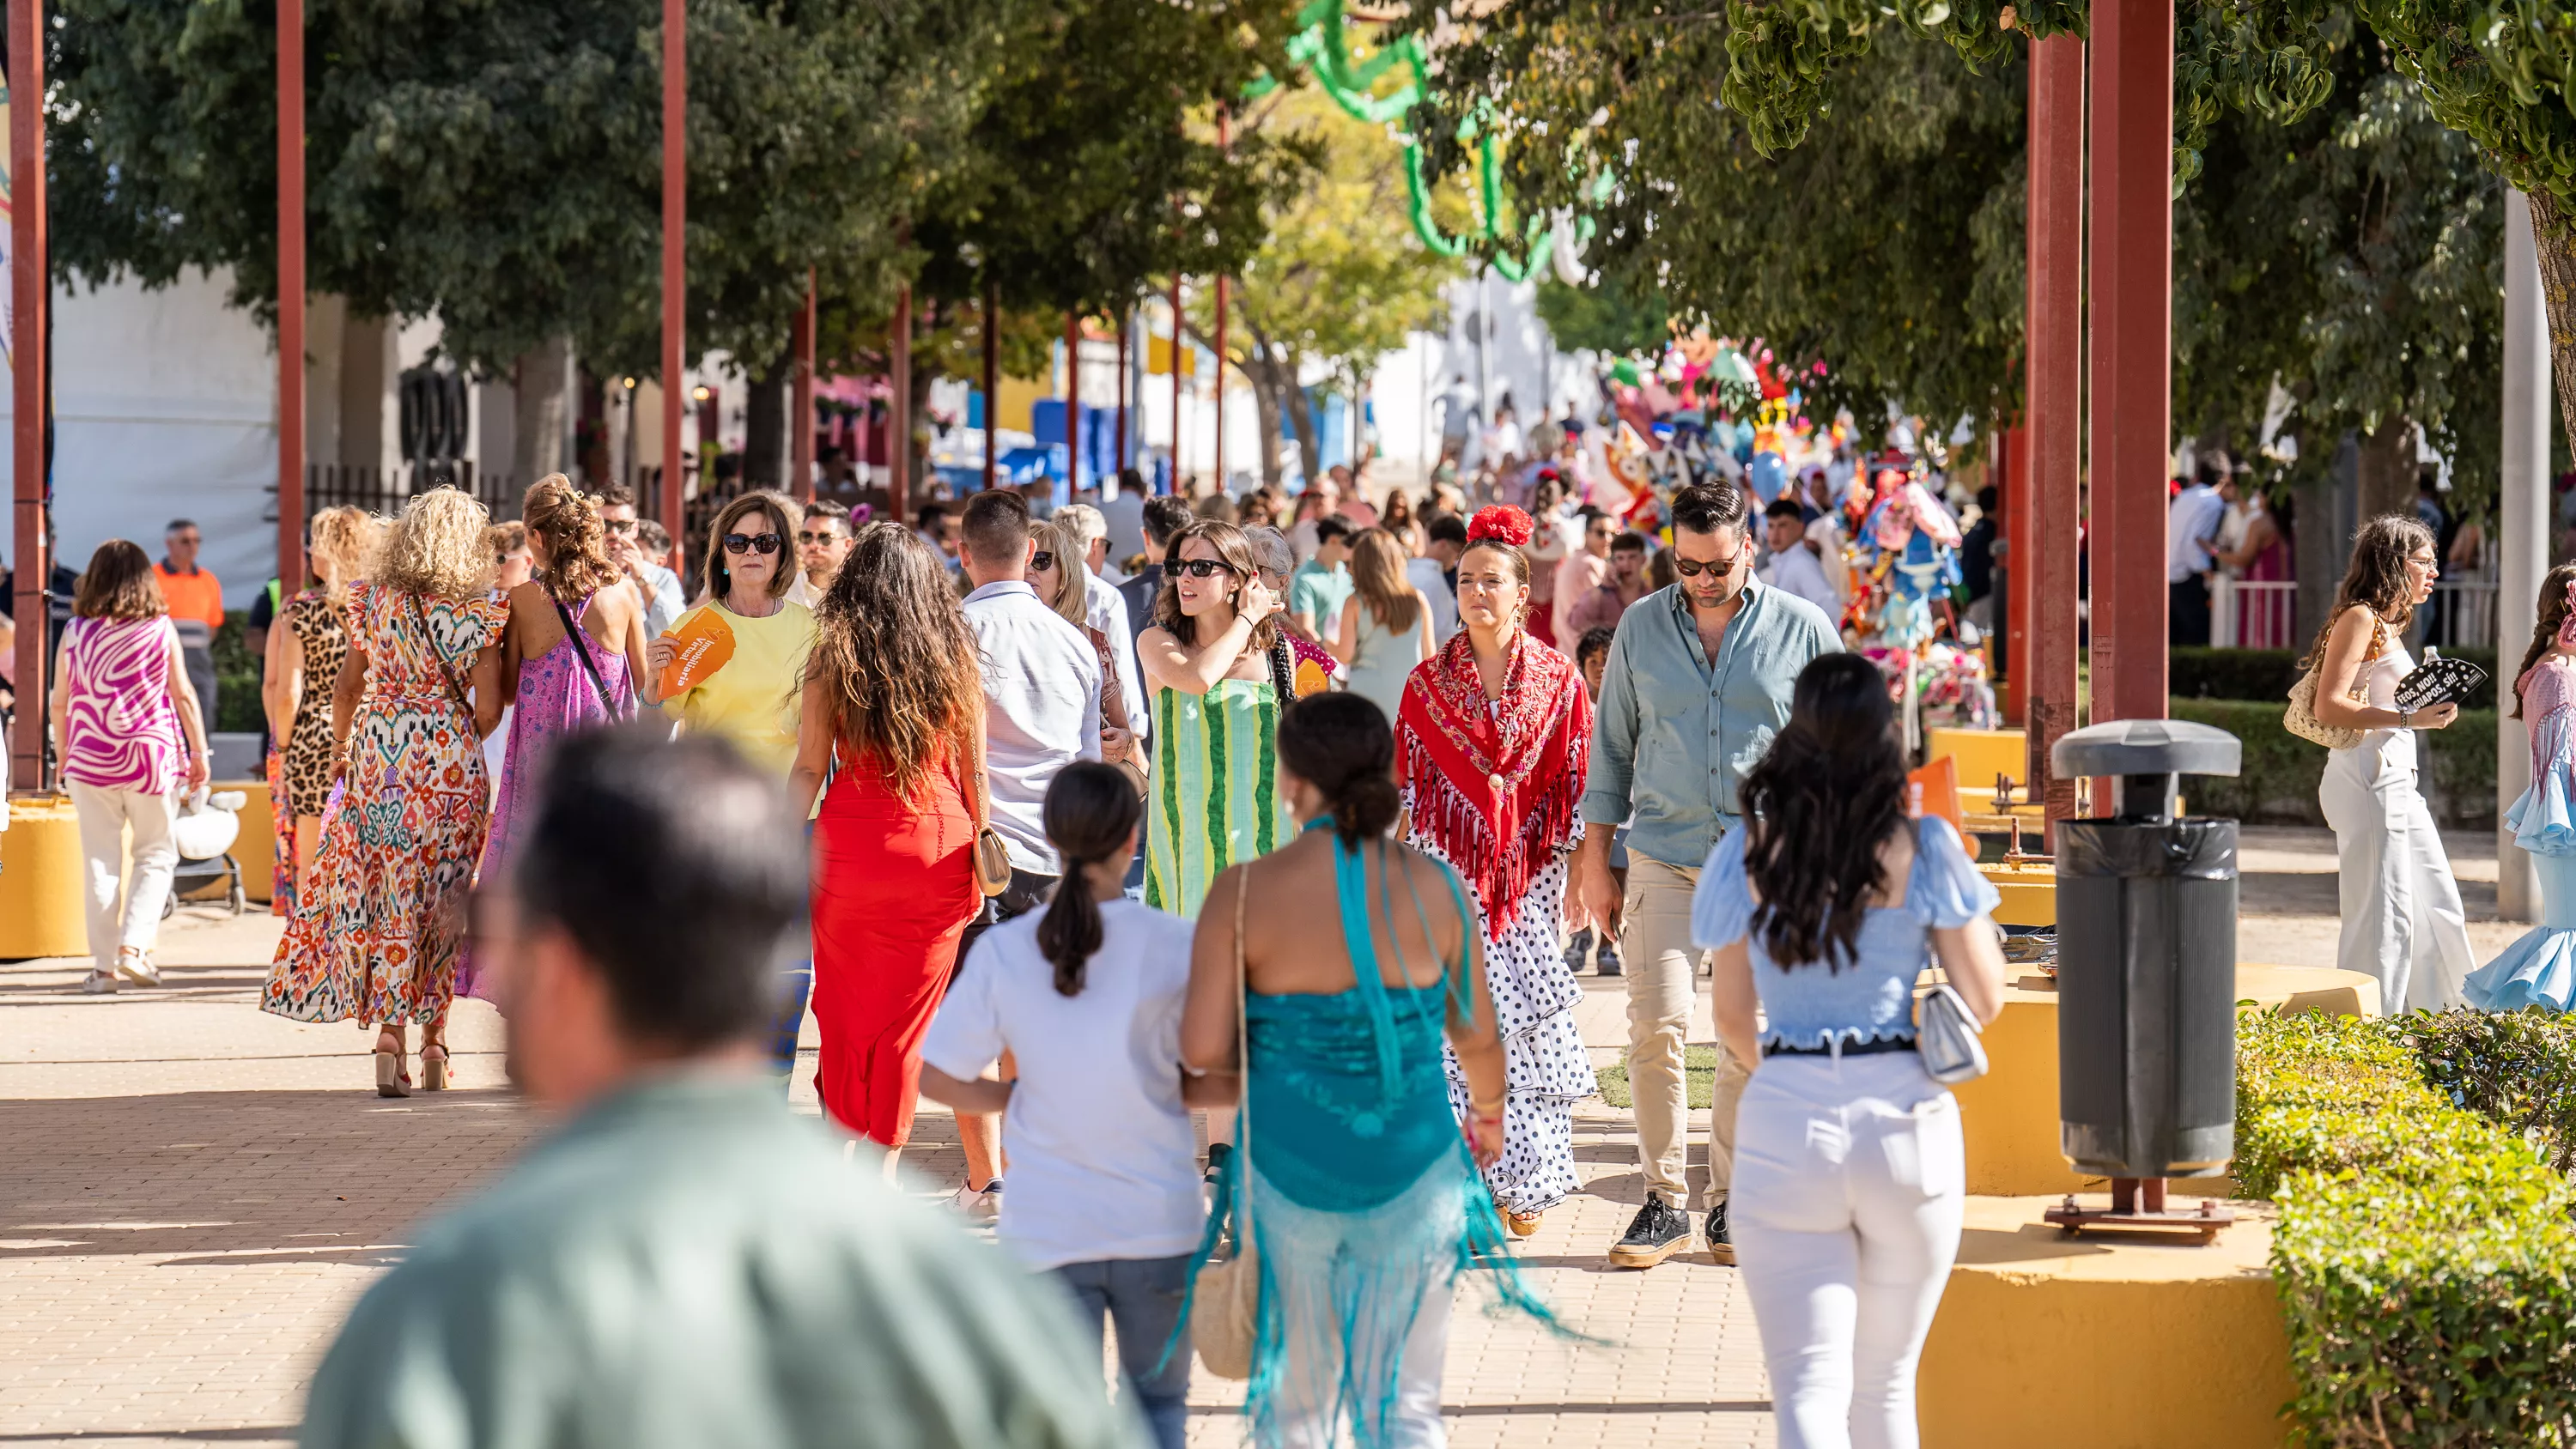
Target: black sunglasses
{"x": 1042, "y": 560}
{"x": 751, "y": 543}
{"x": 826, "y": 536}
{"x": 1199, "y": 568}
{"x": 620, "y": 525}
{"x": 1690, "y": 569}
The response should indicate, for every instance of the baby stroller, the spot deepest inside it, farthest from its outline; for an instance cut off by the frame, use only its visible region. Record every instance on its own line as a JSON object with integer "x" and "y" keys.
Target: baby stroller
{"x": 204, "y": 832}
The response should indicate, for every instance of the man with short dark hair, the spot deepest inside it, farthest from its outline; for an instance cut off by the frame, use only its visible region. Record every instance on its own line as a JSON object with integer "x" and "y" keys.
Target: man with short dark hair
{"x": 631, "y": 547}
{"x": 1319, "y": 587}
{"x": 1791, "y": 561}
{"x": 683, "y": 1261}
{"x": 1444, "y": 540}
{"x": 1162, "y": 517}
{"x": 1698, "y": 681}
{"x": 822, "y": 541}
{"x": 196, "y": 601}
{"x": 937, "y": 526}
{"x": 1605, "y": 606}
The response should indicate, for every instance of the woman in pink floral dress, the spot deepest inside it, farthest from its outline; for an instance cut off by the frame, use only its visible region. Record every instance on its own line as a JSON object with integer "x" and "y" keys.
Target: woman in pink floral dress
{"x": 378, "y": 935}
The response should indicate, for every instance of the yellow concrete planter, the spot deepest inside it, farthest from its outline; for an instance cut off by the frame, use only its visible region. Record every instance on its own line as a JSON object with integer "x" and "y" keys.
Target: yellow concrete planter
{"x": 40, "y": 880}
{"x": 256, "y": 849}
{"x": 2111, "y": 1343}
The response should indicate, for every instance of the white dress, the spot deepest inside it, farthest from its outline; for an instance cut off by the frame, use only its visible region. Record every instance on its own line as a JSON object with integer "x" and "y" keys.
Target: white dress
{"x": 2402, "y": 920}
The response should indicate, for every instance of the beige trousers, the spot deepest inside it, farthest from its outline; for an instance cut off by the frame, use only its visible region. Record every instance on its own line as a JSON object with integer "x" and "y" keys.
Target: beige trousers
{"x": 1663, "y": 982}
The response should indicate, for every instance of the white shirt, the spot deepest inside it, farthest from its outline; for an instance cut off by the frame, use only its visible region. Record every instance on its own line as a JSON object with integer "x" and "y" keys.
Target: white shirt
{"x": 1041, "y": 711}
{"x": 1106, "y": 609}
{"x": 1103, "y": 1163}
{"x": 800, "y": 590}
{"x": 1797, "y": 571}
{"x": 1426, "y": 574}
{"x": 2190, "y": 524}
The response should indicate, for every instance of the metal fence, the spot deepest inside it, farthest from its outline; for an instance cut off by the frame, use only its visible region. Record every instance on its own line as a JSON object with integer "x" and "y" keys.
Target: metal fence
{"x": 386, "y": 490}
{"x": 2262, "y": 614}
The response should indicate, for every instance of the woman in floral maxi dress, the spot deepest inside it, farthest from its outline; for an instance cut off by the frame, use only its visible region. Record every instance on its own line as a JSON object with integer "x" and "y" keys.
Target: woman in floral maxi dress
{"x": 377, "y": 935}
{"x": 1492, "y": 743}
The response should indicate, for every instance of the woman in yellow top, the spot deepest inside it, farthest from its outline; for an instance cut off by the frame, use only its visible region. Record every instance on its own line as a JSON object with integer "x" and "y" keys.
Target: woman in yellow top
{"x": 759, "y": 637}
{"x": 749, "y": 645}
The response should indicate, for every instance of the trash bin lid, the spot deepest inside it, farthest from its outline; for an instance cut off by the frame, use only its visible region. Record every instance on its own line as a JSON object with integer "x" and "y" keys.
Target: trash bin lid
{"x": 2146, "y": 747}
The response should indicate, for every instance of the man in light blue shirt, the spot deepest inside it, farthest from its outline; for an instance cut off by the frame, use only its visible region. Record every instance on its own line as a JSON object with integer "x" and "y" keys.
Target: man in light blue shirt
{"x": 664, "y": 599}
{"x": 1698, "y": 681}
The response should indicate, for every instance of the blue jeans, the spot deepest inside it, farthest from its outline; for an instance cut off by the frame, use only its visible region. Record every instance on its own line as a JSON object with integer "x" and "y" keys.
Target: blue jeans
{"x": 794, "y": 985}
{"x": 1143, "y": 1297}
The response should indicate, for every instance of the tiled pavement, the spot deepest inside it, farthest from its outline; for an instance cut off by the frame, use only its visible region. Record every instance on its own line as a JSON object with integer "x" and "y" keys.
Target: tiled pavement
{"x": 191, "y": 1194}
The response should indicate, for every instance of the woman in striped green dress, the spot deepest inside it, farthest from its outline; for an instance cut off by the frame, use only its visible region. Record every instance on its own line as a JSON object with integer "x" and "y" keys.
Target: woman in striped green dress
{"x": 1215, "y": 797}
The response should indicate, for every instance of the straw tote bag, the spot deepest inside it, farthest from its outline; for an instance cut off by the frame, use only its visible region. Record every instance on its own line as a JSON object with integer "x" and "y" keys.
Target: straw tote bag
{"x": 2301, "y": 717}
{"x": 1225, "y": 1305}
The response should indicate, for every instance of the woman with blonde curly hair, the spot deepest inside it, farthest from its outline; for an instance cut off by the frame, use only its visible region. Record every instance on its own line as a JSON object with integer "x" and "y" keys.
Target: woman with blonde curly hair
{"x": 309, "y": 645}
{"x": 891, "y": 711}
{"x": 573, "y": 654}
{"x": 378, "y": 935}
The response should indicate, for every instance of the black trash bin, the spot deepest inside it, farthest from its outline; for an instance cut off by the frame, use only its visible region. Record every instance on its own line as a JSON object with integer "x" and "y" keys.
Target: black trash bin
{"x": 2146, "y": 960}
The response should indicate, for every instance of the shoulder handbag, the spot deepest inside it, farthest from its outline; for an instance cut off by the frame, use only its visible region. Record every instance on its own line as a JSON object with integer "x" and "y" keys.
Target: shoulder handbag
{"x": 1225, "y": 1303}
{"x": 992, "y": 855}
{"x": 2301, "y": 717}
{"x": 446, "y": 671}
{"x": 1946, "y": 1037}
{"x": 1113, "y": 710}
{"x": 589, "y": 666}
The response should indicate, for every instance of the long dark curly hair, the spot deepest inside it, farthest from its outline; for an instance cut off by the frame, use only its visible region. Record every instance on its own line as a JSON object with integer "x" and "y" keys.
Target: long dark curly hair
{"x": 1817, "y": 809}
{"x": 896, "y": 658}
{"x": 2376, "y": 577}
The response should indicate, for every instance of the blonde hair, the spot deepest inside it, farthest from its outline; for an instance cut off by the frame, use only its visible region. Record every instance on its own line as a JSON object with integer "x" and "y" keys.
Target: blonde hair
{"x": 576, "y": 551}
{"x": 436, "y": 548}
{"x": 1063, "y": 538}
{"x": 344, "y": 543}
{"x": 1377, "y": 575}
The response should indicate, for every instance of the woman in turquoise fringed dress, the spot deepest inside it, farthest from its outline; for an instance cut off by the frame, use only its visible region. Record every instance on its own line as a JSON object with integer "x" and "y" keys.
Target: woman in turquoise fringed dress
{"x": 2540, "y": 968}
{"x": 1365, "y": 1198}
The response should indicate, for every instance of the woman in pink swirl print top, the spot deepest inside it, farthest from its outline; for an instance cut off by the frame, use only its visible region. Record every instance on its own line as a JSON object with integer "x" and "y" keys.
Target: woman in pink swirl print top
{"x": 127, "y": 719}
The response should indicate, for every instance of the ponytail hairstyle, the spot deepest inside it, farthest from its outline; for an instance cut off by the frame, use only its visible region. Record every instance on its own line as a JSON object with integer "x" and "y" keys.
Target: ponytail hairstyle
{"x": 576, "y": 541}
{"x": 1816, "y": 810}
{"x": 1340, "y": 744}
{"x": 1092, "y": 812}
{"x": 2557, "y": 610}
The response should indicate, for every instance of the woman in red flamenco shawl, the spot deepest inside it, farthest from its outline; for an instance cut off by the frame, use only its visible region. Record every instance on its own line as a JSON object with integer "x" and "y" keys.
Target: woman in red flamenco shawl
{"x": 1492, "y": 742}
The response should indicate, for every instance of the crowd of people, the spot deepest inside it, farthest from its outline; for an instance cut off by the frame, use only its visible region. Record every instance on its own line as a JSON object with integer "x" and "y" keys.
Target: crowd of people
{"x": 1069, "y": 831}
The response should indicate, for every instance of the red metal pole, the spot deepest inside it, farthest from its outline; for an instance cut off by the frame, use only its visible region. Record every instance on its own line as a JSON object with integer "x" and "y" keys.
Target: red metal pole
{"x": 29, "y": 297}
{"x": 1126, "y": 324}
{"x": 290, "y": 294}
{"x": 899, "y": 416}
{"x": 675, "y": 245}
{"x": 992, "y": 380}
{"x": 2053, "y": 363}
{"x": 800, "y": 405}
{"x": 2132, "y": 295}
{"x": 1072, "y": 403}
{"x": 1178, "y": 487}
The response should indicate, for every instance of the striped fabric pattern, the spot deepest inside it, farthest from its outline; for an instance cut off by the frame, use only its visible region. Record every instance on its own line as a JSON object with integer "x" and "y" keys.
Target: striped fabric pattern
{"x": 1215, "y": 789}
{"x": 120, "y": 731}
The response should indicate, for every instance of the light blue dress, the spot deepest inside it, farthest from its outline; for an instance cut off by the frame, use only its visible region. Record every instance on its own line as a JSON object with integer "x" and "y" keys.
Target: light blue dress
{"x": 2540, "y": 968}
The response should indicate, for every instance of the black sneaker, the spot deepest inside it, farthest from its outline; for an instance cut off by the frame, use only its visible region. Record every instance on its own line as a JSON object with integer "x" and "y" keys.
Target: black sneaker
{"x": 1721, "y": 1247}
{"x": 1607, "y": 963}
{"x": 1578, "y": 948}
{"x": 1656, "y": 1233}
{"x": 1218, "y": 1152}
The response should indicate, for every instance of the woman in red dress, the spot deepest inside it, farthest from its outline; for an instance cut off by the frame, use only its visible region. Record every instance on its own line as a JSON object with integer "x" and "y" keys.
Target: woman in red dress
{"x": 892, "y": 719}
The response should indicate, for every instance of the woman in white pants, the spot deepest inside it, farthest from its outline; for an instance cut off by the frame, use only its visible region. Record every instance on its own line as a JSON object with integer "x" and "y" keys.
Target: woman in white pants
{"x": 2402, "y": 922}
{"x": 126, "y": 720}
{"x": 1849, "y": 1168}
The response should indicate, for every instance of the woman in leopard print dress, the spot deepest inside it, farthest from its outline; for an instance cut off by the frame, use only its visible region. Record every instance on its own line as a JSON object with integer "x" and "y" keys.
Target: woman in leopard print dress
{"x": 304, "y": 657}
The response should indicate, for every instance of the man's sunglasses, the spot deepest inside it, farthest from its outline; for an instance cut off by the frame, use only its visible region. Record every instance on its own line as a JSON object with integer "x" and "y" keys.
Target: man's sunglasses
{"x": 1690, "y": 569}
{"x": 1042, "y": 560}
{"x": 751, "y": 543}
{"x": 620, "y": 525}
{"x": 1199, "y": 568}
{"x": 808, "y": 536}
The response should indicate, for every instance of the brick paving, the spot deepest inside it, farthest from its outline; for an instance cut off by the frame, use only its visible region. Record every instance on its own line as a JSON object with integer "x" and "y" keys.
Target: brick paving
{"x": 192, "y": 1193}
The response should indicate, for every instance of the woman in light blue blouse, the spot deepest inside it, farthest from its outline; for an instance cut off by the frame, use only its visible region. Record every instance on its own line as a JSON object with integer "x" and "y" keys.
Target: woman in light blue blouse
{"x": 1849, "y": 1173}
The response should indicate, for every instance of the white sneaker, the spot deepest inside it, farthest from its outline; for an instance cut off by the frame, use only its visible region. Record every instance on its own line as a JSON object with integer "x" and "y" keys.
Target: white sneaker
{"x": 981, "y": 1208}
{"x": 137, "y": 967}
{"x": 99, "y": 983}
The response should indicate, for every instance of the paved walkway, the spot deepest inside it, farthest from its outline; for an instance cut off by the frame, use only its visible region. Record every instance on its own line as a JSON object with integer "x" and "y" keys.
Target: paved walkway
{"x": 193, "y": 1193}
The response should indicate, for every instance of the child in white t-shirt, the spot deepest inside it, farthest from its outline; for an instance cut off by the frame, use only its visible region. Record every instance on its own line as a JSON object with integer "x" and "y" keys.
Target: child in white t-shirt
{"x": 1104, "y": 1170}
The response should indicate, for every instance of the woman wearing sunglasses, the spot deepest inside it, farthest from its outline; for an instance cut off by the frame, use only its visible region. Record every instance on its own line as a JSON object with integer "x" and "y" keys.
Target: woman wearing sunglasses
{"x": 1206, "y": 661}
{"x": 742, "y": 683}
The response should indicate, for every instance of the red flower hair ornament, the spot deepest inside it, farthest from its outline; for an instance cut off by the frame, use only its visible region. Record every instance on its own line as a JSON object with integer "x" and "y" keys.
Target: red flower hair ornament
{"x": 1501, "y": 523}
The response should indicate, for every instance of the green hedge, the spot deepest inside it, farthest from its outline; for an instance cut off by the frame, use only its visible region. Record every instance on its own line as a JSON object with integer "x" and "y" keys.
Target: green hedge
{"x": 2515, "y": 1068}
{"x": 2267, "y": 674}
{"x": 2278, "y": 784}
{"x": 2424, "y": 1255}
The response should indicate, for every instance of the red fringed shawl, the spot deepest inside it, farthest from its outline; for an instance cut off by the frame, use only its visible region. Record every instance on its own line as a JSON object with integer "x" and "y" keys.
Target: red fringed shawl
{"x": 1497, "y": 789}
